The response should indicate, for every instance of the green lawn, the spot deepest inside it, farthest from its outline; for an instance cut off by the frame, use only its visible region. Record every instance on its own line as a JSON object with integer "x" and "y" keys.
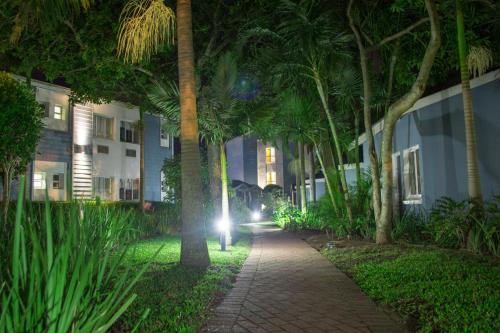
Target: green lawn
{"x": 436, "y": 290}
{"x": 178, "y": 297}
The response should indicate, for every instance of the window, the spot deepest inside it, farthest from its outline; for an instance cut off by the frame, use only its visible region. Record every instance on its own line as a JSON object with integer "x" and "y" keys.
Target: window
{"x": 82, "y": 149}
{"x": 270, "y": 155}
{"x": 39, "y": 180}
{"x": 271, "y": 177}
{"x": 103, "y": 127}
{"x": 130, "y": 152}
{"x": 46, "y": 109}
{"x": 164, "y": 136}
{"x": 128, "y": 132}
{"x": 58, "y": 181}
{"x": 58, "y": 112}
{"x": 102, "y": 149}
{"x": 412, "y": 184}
{"x": 103, "y": 187}
{"x": 135, "y": 189}
{"x": 129, "y": 189}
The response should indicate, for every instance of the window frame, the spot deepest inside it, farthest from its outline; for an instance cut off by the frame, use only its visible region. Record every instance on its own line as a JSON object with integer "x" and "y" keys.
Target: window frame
{"x": 42, "y": 181}
{"x": 110, "y": 126}
{"x": 164, "y": 142}
{"x": 127, "y": 150}
{"x": 60, "y": 181}
{"x": 412, "y": 198}
{"x": 58, "y": 116}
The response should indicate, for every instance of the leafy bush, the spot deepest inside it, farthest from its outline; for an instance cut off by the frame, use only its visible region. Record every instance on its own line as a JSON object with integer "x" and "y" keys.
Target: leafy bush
{"x": 410, "y": 227}
{"x": 62, "y": 274}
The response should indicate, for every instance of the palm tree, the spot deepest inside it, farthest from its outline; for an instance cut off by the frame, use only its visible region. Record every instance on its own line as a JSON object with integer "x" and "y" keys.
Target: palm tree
{"x": 218, "y": 119}
{"x": 479, "y": 60}
{"x": 146, "y": 25}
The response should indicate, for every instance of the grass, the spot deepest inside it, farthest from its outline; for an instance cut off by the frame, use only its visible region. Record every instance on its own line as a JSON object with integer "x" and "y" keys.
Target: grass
{"x": 179, "y": 298}
{"x": 436, "y": 290}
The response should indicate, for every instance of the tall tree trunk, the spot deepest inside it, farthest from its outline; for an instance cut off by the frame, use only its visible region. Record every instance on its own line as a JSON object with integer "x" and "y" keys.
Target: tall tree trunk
{"x": 194, "y": 250}
{"x": 333, "y": 129}
{"x": 302, "y": 174}
{"x": 141, "y": 157}
{"x": 396, "y": 110}
{"x": 225, "y": 191}
{"x": 367, "y": 117}
{"x": 214, "y": 172}
{"x": 327, "y": 180}
{"x": 356, "y": 149}
{"x": 312, "y": 174}
{"x": 473, "y": 180}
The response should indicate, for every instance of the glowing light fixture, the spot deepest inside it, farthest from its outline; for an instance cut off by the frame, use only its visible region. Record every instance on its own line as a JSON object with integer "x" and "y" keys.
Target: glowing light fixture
{"x": 256, "y": 216}
{"x": 223, "y": 225}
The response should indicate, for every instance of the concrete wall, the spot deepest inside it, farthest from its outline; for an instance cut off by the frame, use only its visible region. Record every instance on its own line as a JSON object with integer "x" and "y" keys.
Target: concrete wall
{"x": 154, "y": 157}
{"x": 235, "y": 153}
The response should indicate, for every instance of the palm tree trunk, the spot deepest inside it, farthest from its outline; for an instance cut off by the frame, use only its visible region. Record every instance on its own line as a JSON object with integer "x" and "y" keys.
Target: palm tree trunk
{"x": 302, "y": 174}
{"x": 474, "y": 183}
{"x": 141, "y": 158}
{"x": 312, "y": 174}
{"x": 345, "y": 188}
{"x": 396, "y": 110}
{"x": 214, "y": 172}
{"x": 327, "y": 179}
{"x": 194, "y": 250}
{"x": 225, "y": 192}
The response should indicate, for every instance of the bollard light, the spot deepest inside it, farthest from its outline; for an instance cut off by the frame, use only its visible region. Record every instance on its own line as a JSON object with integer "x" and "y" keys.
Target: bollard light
{"x": 256, "y": 216}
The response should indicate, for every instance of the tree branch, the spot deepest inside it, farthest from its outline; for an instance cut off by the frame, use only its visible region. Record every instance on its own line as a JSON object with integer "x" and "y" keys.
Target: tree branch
{"x": 77, "y": 36}
{"x": 398, "y": 34}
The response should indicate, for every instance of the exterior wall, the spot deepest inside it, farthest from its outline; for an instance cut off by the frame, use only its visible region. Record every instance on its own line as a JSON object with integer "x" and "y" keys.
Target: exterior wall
{"x": 250, "y": 165}
{"x": 116, "y": 165}
{"x": 235, "y": 154}
{"x": 154, "y": 157}
{"x": 68, "y": 147}
{"x": 436, "y": 125}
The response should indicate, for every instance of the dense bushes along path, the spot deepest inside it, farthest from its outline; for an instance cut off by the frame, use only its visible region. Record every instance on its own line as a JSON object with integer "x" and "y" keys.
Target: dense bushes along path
{"x": 286, "y": 286}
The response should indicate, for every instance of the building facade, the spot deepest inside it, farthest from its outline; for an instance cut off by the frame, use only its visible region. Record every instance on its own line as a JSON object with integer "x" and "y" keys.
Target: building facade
{"x": 429, "y": 155}
{"x": 258, "y": 163}
{"x": 93, "y": 150}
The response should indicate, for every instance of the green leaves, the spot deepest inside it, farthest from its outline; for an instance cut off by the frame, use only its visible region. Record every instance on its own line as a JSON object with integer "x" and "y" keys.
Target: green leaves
{"x": 65, "y": 272}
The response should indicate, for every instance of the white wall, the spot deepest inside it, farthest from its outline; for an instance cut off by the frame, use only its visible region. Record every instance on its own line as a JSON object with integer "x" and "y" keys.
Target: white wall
{"x": 116, "y": 164}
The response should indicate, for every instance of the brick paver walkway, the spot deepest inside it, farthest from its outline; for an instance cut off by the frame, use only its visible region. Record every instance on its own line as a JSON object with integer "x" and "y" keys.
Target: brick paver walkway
{"x": 287, "y": 286}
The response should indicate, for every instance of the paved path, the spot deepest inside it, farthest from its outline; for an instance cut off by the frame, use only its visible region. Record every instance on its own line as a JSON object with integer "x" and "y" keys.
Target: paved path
{"x": 287, "y": 286}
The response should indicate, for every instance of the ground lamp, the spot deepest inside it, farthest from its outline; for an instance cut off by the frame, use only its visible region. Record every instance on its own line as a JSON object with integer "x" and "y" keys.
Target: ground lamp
{"x": 256, "y": 216}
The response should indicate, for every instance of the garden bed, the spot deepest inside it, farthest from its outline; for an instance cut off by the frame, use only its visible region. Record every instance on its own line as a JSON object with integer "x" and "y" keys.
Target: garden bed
{"x": 179, "y": 298}
{"x": 435, "y": 290}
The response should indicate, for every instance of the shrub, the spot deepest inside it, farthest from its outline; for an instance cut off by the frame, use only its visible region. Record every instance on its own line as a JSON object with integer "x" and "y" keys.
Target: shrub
{"x": 239, "y": 212}
{"x": 410, "y": 227}
{"x": 63, "y": 273}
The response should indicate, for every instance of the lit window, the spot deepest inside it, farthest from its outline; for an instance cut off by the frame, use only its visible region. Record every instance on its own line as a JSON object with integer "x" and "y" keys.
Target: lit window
{"x": 58, "y": 181}
{"x": 412, "y": 186}
{"x": 164, "y": 136}
{"x": 103, "y": 127}
{"x": 39, "y": 180}
{"x": 271, "y": 177}
{"x": 58, "y": 112}
{"x": 270, "y": 155}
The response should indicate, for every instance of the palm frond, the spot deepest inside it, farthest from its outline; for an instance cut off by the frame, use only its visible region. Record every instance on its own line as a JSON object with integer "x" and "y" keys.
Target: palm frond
{"x": 479, "y": 60}
{"x": 146, "y": 25}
